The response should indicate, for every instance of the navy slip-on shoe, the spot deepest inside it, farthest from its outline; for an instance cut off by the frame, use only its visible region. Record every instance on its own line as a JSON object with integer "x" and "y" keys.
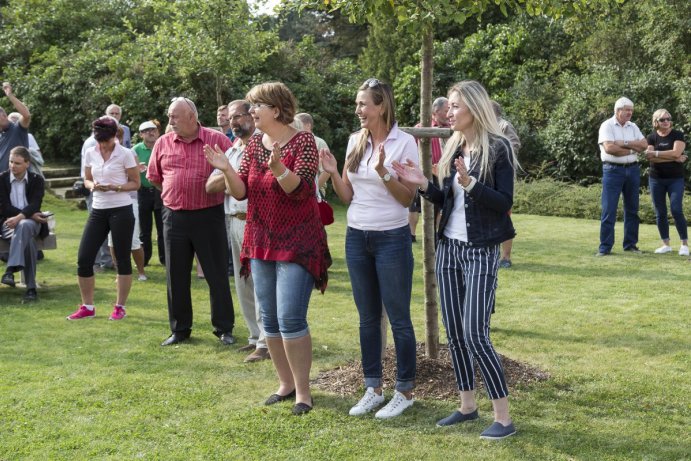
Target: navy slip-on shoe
{"x": 498, "y": 431}
{"x": 457, "y": 417}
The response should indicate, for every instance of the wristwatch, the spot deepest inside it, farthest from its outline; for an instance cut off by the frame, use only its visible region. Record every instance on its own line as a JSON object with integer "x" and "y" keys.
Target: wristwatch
{"x": 386, "y": 177}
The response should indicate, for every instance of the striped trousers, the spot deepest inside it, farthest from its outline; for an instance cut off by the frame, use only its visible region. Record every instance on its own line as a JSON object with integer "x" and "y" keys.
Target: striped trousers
{"x": 467, "y": 278}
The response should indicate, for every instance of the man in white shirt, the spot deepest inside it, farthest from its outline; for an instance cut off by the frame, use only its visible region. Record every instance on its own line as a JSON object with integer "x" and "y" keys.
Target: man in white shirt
{"x": 620, "y": 140}
{"x": 21, "y": 195}
{"x": 242, "y": 125}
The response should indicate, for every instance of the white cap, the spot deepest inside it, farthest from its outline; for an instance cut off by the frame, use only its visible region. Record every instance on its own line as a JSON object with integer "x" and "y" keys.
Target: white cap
{"x": 621, "y": 103}
{"x": 146, "y": 125}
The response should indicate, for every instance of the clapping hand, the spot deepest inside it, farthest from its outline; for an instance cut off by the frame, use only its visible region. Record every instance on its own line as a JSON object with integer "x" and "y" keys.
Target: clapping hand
{"x": 216, "y": 157}
{"x": 380, "y": 161}
{"x": 275, "y": 158}
{"x": 409, "y": 172}
{"x": 463, "y": 176}
{"x": 7, "y": 88}
{"x": 328, "y": 161}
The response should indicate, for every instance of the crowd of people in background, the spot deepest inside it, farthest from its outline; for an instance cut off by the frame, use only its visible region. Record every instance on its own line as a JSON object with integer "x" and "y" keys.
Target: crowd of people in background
{"x": 244, "y": 201}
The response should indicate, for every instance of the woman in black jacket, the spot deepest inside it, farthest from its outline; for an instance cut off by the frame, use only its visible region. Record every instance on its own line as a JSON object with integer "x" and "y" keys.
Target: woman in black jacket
{"x": 478, "y": 169}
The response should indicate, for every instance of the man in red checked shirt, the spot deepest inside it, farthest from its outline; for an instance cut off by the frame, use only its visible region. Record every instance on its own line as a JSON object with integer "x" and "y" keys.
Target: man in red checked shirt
{"x": 193, "y": 221}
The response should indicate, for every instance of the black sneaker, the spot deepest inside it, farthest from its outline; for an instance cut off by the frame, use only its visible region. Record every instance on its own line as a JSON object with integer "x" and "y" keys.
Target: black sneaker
{"x": 633, "y": 249}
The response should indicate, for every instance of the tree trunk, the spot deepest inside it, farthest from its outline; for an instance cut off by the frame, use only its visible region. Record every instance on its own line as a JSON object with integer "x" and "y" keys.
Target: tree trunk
{"x": 428, "y": 276}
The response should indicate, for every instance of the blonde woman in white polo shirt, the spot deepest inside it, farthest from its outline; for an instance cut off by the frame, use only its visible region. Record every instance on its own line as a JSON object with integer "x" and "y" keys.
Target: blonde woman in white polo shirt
{"x": 378, "y": 242}
{"x": 110, "y": 173}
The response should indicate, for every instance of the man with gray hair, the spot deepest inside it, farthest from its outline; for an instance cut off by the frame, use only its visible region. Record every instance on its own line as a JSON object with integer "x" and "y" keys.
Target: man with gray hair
{"x": 116, "y": 112}
{"x": 12, "y": 134}
{"x": 620, "y": 140}
{"x": 193, "y": 221}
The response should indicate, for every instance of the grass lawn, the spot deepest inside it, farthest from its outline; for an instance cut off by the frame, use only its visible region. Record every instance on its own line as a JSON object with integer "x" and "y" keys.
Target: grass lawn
{"x": 613, "y": 333}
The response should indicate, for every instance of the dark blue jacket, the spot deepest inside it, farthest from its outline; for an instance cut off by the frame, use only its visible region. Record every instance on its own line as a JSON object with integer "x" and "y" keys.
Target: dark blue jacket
{"x": 488, "y": 204}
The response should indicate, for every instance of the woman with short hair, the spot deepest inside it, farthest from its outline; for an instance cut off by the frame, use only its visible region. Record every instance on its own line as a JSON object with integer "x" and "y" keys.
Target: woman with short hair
{"x": 285, "y": 242}
{"x": 666, "y": 179}
{"x": 110, "y": 174}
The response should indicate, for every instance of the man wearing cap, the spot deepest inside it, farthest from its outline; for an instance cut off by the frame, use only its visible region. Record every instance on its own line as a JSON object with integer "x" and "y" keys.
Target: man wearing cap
{"x": 193, "y": 221}
{"x": 242, "y": 124}
{"x": 148, "y": 197}
{"x": 620, "y": 140}
{"x": 12, "y": 134}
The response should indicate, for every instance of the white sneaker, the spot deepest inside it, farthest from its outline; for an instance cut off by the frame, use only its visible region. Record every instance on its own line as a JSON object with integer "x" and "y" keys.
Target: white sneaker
{"x": 683, "y": 250}
{"x": 142, "y": 278}
{"x": 666, "y": 249}
{"x": 367, "y": 403}
{"x": 397, "y": 405}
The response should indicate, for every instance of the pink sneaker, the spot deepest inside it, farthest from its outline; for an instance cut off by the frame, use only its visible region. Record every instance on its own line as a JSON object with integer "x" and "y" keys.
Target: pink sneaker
{"x": 118, "y": 313}
{"x": 82, "y": 313}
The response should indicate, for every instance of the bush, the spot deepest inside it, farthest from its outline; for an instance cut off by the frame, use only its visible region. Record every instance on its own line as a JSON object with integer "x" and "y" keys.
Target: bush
{"x": 548, "y": 197}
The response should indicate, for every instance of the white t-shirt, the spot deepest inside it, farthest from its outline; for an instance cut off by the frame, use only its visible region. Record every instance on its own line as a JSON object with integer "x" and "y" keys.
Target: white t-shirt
{"x": 373, "y": 207}
{"x": 611, "y": 130}
{"x": 457, "y": 226}
{"x": 114, "y": 171}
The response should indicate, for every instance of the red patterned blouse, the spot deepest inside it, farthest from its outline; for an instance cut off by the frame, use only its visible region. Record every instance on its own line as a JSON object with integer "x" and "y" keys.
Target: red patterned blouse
{"x": 280, "y": 226}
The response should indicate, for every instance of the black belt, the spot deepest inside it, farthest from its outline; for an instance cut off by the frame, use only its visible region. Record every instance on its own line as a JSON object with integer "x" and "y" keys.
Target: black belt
{"x": 623, "y": 165}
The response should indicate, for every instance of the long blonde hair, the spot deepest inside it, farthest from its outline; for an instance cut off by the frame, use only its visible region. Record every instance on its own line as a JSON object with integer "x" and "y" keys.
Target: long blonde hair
{"x": 485, "y": 123}
{"x": 381, "y": 94}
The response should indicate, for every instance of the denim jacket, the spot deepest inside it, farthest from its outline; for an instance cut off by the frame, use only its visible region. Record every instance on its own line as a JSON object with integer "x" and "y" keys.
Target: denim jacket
{"x": 488, "y": 203}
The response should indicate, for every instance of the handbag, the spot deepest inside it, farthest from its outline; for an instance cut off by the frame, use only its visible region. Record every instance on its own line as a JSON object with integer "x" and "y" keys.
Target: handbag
{"x": 326, "y": 213}
{"x": 79, "y": 189}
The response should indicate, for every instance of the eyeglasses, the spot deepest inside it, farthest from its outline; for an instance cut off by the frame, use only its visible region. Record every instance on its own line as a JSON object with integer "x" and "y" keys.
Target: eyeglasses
{"x": 667, "y": 119}
{"x": 238, "y": 117}
{"x": 372, "y": 82}
{"x": 259, "y": 105}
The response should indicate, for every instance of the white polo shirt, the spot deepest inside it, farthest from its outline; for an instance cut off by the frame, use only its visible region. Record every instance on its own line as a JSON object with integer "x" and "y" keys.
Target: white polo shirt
{"x": 373, "y": 207}
{"x": 114, "y": 171}
{"x": 611, "y": 131}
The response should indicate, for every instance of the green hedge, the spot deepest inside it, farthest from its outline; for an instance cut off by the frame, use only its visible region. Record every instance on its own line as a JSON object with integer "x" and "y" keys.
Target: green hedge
{"x": 548, "y": 197}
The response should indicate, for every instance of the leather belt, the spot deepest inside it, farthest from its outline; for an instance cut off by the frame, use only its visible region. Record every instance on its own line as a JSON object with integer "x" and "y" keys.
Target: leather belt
{"x": 623, "y": 165}
{"x": 240, "y": 216}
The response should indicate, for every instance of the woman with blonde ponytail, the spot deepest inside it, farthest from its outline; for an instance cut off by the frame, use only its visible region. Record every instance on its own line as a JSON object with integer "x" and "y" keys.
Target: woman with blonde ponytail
{"x": 378, "y": 242}
{"x": 477, "y": 171}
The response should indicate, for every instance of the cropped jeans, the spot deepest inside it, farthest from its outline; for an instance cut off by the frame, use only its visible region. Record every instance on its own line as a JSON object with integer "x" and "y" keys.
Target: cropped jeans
{"x": 619, "y": 180}
{"x": 380, "y": 264}
{"x": 283, "y": 291}
{"x": 660, "y": 188}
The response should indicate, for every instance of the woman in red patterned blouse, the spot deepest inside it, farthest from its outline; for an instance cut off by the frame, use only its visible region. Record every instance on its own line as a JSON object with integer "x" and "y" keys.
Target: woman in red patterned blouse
{"x": 284, "y": 242}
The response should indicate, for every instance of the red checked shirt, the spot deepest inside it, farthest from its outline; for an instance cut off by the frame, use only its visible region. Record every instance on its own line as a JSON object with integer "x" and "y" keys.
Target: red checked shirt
{"x": 182, "y": 170}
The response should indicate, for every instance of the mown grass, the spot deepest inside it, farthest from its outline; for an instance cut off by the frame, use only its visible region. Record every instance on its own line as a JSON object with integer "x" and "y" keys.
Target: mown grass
{"x": 612, "y": 332}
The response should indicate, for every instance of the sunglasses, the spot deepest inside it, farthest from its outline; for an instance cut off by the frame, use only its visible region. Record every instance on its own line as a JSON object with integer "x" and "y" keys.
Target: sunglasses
{"x": 667, "y": 119}
{"x": 372, "y": 82}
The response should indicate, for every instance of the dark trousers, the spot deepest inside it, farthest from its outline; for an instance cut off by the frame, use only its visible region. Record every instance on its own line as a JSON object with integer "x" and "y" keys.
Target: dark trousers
{"x": 186, "y": 232}
{"x": 119, "y": 221}
{"x": 150, "y": 205}
{"x": 467, "y": 278}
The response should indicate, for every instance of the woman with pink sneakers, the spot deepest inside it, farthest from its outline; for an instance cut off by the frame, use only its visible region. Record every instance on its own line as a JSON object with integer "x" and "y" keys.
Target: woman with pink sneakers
{"x": 110, "y": 174}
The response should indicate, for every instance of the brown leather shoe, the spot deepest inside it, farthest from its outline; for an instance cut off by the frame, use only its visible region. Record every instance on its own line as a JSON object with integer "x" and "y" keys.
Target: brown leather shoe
{"x": 258, "y": 355}
{"x": 247, "y": 348}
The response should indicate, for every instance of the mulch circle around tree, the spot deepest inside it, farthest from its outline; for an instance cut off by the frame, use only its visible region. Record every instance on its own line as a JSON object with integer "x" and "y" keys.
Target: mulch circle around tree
{"x": 435, "y": 378}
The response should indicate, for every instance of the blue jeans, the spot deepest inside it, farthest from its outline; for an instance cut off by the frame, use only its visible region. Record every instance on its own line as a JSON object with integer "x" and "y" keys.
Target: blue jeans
{"x": 660, "y": 188}
{"x": 283, "y": 291}
{"x": 618, "y": 180}
{"x": 380, "y": 264}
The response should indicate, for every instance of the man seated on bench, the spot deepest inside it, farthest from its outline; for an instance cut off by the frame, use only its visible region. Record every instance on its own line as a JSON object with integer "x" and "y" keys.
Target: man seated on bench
{"x": 21, "y": 220}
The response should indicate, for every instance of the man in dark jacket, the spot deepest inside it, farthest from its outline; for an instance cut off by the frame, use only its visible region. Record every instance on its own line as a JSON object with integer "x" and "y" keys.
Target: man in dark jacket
{"x": 21, "y": 194}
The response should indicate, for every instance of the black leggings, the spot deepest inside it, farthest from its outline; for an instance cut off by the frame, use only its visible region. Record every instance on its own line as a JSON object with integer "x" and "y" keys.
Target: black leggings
{"x": 119, "y": 221}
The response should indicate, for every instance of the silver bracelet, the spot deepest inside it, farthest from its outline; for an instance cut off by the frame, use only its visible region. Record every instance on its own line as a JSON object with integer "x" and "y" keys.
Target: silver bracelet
{"x": 283, "y": 175}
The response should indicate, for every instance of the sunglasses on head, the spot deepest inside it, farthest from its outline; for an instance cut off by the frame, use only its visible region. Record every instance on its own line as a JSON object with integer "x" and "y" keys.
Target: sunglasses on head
{"x": 372, "y": 82}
